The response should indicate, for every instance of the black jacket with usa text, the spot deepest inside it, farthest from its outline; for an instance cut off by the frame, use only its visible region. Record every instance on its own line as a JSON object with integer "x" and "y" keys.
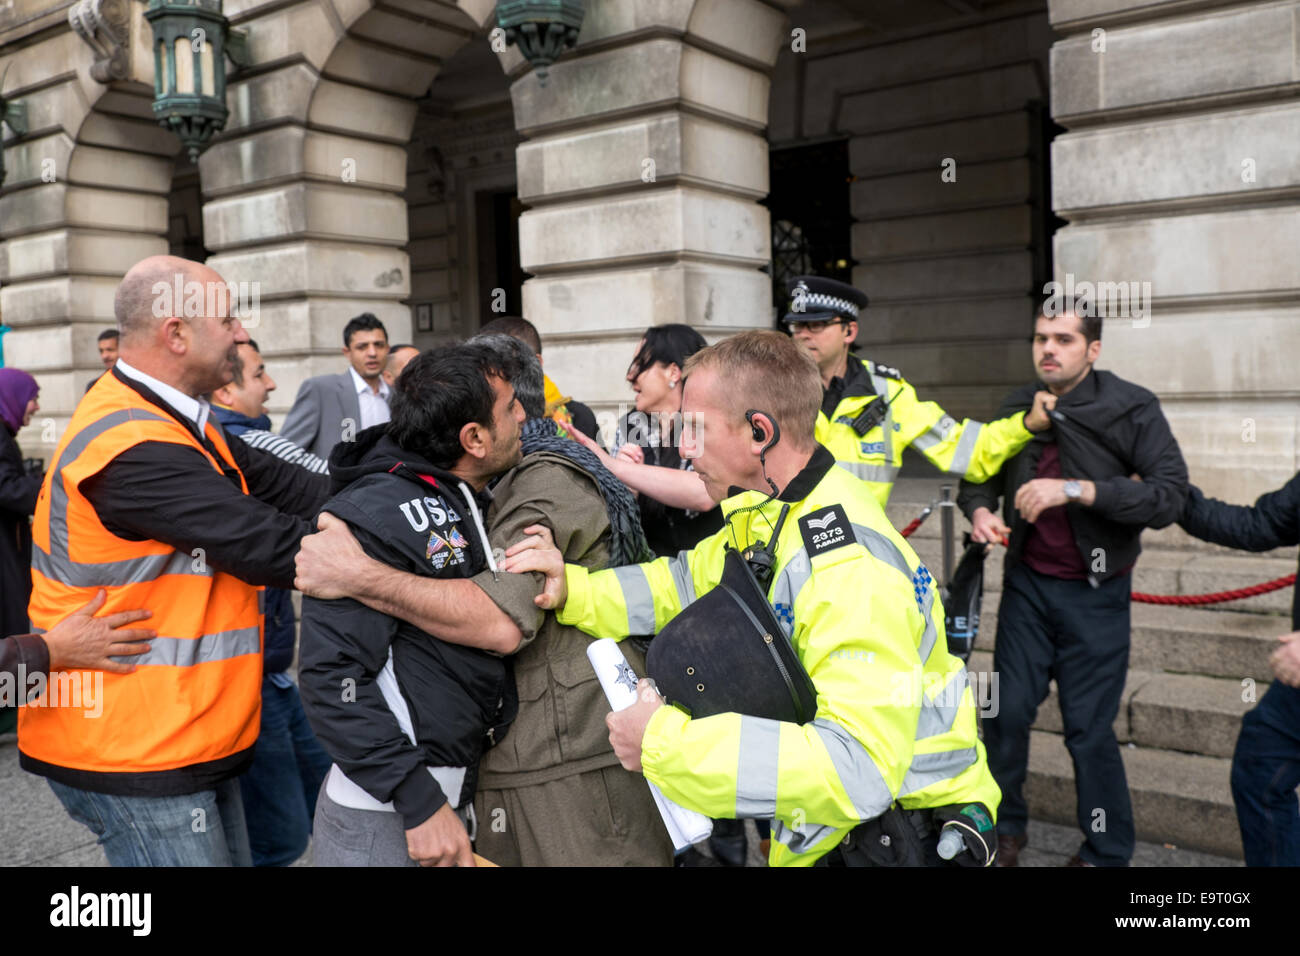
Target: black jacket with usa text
{"x": 387, "y": 700}
{"x": 1106, "y": 430}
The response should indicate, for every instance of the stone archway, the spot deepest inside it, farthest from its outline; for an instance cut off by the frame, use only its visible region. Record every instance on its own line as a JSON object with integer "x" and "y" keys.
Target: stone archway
{"x": 85, "y": 197}
{"x": 643, "y": 161}
{"x": 304, "y": 190}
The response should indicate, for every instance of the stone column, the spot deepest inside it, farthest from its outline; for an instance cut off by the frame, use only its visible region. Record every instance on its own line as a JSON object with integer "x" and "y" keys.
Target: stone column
{"x": 85, "y": 195}
{"x": 643, "y": 161}
{"x": 1181, "y": 169}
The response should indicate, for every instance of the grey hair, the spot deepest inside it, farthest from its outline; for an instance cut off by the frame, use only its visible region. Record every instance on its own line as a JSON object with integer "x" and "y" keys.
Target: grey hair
{"x": 522, "y": 370}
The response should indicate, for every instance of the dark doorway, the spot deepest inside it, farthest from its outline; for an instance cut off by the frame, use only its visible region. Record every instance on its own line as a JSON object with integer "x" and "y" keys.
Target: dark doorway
{"x": 185, "y": 212}
{"x": 811, "y": 219}
{"x": 500, "y": 279}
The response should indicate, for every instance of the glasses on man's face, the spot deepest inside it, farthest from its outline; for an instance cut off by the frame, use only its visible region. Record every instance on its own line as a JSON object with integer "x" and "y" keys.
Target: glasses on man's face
{"x": 813, "y": 327}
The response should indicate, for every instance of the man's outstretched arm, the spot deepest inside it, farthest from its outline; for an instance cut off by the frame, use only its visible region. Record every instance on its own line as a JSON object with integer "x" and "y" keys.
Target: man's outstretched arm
{"x": 331, "y": 565}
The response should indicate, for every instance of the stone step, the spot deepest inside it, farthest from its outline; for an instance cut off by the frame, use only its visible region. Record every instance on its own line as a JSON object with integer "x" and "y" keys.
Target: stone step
{"x": 1176, "y": 712}
{"x": 1181, "y": 640}
{"x": 1178, "y": 798}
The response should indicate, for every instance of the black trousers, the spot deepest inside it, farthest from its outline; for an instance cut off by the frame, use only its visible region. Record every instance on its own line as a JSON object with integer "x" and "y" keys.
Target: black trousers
{"x": 1050, "y": 628}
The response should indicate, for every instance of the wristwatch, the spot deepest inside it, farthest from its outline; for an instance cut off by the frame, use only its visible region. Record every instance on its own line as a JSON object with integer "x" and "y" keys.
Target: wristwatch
{"x": 1073, "y": 490}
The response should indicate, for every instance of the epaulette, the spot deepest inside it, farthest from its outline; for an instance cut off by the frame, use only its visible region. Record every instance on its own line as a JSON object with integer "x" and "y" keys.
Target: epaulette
{"x": 887, "y": 371}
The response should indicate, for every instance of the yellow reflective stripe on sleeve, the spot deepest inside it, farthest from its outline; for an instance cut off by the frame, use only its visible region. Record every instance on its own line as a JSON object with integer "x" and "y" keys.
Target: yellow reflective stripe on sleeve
{"x": 638, "y": 599}
{"x": 961, "y": 459}
{"x": 861, "y": 778}
{"x": 756, "y": 773}
{"x": 928, "y": 769}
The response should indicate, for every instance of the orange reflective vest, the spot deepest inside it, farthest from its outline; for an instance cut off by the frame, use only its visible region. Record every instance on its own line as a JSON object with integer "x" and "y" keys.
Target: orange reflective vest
{"x": 188, "y": 716}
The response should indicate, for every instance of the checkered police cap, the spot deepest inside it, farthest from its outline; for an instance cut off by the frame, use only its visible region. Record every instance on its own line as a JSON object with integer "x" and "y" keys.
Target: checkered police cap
{"x": 816, "y": 299}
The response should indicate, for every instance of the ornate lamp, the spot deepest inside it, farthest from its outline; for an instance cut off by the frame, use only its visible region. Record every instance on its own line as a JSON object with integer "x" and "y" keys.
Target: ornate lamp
{"x": 543, "y": 29}
{"x": 15, "y": 114}
{"x": 191, "y": 40}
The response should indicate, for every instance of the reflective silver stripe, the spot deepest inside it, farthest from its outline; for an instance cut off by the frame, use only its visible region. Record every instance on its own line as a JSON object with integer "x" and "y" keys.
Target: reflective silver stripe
{"x": 788, "y": 584}
{"x": 760, "y": 741}
{"x": 114, "y": 573}
{"x": 186, "y": 652}
{"x": 938, "y": 715}
{"x": 884, "y": 474}
{"x": 881, "y": 385}
{"x": 681, "y": 570}
{"x": 800, "y": 840}
{"x": 965, "y": 448}
{"x": 931, "y": 634}
{"x": 882, "y": 549}
{"x": 58, "y": 566}
{"x": 929, "y": 769}
{"x": 885, "y": 550}
{"x": 71, "y": 452}
{"x": 857, "y": 771}
{"x": 636, "y": 595}
{"x": 936, "y": 433}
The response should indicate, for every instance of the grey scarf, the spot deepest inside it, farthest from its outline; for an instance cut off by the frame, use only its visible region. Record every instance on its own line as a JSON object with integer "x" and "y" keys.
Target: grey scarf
{"x": 627, "y": 538}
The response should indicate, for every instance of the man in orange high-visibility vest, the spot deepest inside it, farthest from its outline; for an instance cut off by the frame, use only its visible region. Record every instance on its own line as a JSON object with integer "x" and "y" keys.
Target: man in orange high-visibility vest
{"x": 148, "y": 500}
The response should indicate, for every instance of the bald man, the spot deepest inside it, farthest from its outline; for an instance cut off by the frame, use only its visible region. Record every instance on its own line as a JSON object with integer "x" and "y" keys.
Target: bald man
{"x": 398, "y": 357}
{"x": 147, "y": 498}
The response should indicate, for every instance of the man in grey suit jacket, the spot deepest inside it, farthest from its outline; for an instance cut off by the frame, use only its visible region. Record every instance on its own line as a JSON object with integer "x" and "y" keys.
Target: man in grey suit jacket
{"x": 334, "y": 408}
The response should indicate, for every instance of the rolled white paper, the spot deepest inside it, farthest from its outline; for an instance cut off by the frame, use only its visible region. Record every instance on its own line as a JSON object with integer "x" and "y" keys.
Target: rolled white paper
{"x": 618, "y": 681}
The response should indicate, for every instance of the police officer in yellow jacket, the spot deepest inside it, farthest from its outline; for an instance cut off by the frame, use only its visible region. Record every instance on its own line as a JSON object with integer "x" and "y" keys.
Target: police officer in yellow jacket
{"x": 870, "y": 413}
{"x": 895, "y": 723}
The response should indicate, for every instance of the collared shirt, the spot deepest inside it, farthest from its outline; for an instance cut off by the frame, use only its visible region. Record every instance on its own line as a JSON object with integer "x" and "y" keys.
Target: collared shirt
{"x": 374, "y": 406}
{"x": 195, "y": 409}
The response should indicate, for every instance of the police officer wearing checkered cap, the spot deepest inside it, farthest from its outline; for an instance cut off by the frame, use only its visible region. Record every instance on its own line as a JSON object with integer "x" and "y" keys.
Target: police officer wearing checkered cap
{"x": 870, "y": 413}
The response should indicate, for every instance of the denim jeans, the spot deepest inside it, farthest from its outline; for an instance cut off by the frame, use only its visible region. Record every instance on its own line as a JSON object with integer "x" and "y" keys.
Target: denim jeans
{"x": 1265, "y": 774}
{"x": 280, "y": 788}
{"x": 193, "y": 829}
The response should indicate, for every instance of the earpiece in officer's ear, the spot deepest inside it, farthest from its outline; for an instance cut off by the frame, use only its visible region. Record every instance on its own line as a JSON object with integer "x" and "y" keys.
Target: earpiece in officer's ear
{"x": 758, "y": 431}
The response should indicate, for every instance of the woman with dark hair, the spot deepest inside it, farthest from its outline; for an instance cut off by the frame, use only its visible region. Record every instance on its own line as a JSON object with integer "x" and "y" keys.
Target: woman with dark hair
{"x": 18, "y": 491}
{"x": 676, "y": 511}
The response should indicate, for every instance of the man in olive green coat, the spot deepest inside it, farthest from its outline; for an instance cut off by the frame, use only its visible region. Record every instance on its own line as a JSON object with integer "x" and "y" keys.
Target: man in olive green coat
{"x": 552, "y": 793}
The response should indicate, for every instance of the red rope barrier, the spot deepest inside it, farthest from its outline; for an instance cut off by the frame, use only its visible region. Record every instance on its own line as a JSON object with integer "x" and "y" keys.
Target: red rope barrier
{"x": 1217, "y": 596}
{"x": 914, "y": 524}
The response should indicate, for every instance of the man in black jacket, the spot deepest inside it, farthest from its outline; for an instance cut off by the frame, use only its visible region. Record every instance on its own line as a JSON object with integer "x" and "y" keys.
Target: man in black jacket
{"x": 1076, "y": 498}
{"x": 405, "y": 715}
{"x": 1266, "y": 761}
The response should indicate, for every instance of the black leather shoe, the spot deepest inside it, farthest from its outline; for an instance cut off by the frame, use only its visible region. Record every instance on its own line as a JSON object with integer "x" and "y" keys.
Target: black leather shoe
{"x": 1009, "y": 847}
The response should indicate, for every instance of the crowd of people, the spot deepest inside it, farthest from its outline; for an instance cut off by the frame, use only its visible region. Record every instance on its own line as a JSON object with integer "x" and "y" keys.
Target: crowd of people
{"x": 460, "y": 534}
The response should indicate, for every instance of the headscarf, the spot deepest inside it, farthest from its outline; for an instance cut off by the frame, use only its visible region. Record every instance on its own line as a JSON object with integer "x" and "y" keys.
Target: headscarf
{"x": 627, "y": 539}
{"x": 17, "y": 388}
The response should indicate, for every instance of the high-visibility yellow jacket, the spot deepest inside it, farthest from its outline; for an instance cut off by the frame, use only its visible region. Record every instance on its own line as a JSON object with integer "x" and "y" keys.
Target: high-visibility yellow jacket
{"x": 895, "y": 714}
{"x": 969, "y": 449}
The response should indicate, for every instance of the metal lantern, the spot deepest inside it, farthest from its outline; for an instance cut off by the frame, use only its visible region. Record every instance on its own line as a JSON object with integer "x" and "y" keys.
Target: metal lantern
{"x": 543, "y": 29}
{"x": 15, "y": 114}
{"x": 191, "y": 39}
